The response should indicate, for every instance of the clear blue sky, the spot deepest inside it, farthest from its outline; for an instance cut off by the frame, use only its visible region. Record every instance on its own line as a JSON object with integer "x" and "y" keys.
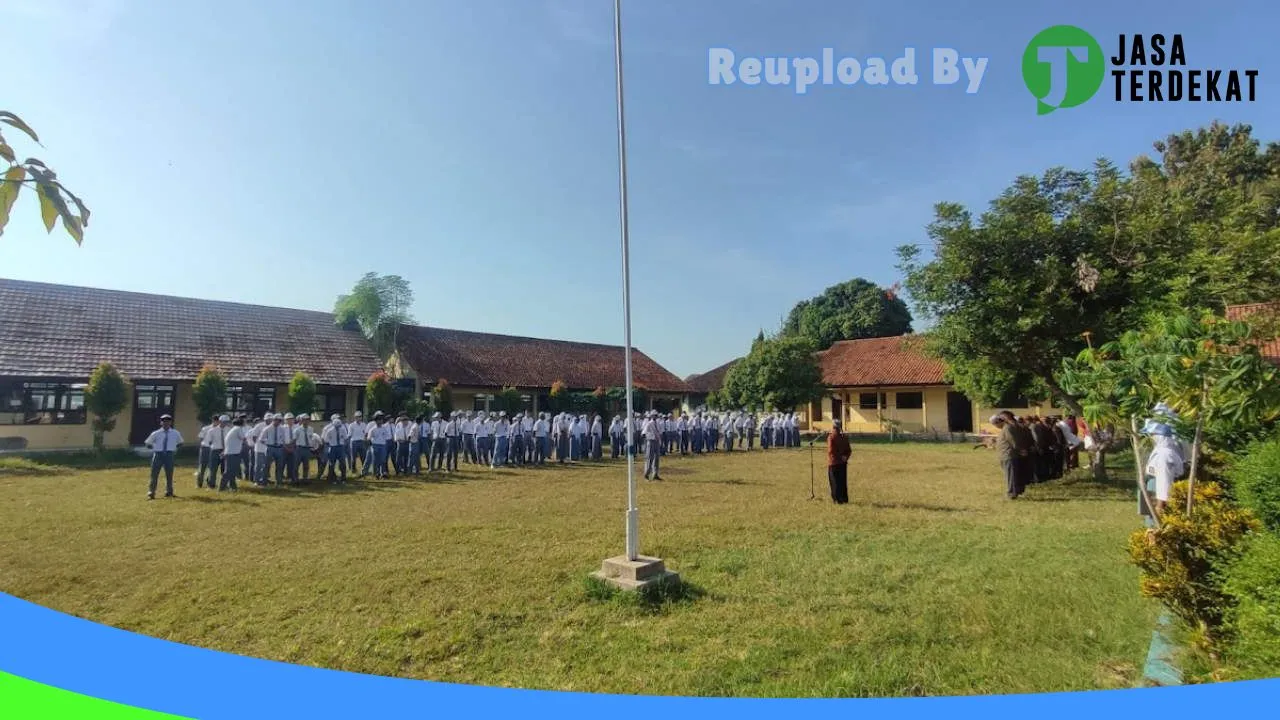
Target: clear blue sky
{"x": 272, "y": 152}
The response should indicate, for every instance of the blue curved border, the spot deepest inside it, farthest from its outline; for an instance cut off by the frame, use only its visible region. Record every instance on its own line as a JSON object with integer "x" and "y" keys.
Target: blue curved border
{"x": 85, "y": 657}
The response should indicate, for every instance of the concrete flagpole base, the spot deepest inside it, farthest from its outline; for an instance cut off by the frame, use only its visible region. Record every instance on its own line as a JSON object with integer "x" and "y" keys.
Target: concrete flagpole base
{"x": 635, "y": 574}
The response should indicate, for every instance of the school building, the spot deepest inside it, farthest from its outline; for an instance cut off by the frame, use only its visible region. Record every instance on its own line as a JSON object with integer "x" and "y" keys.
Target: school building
{"x": 878, "y": 385}
{"x": 53, "y": 336}
{"x": 478, "y": 366}
{"x": 703, "y": 384}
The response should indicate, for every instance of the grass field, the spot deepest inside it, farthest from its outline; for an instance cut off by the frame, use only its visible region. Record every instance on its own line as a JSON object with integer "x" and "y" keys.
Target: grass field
{"x": 928, "y": 583}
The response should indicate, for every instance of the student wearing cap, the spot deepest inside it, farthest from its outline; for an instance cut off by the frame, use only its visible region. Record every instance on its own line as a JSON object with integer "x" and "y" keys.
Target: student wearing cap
{"x": 304, "y": 445}
{"x": 379, "y": 437}
{"x": 435, "y": 460}
{"x": 252, "y": 429}
{"x": 336, "y": 437}
{"x": 211, "y": 445}
{"x": 541, "y": 439}
{"x": 232, "y": 459}
{"x": 484, "y": 436}
{"x": 1014, "y": 445}
{"x": 163, "y": 443}
{"x": 838, "y": 452}
{"x": 414, "y": 433}
{"x": 355, "y": 430}
{"x": 766, "y": 431}
{"x": 452, "y": 442}
{"x": 290, "y": 428}
{"x": 502, "y": 440}
{"x": 259, "y": 477}
{"x": 516, "y": 455}
{"x": 652, "y": 432}
{"x": 273, "y": 438}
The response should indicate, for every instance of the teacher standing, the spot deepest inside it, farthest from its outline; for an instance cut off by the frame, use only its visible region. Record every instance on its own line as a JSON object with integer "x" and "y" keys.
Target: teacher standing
{"x": 838, "y": 452}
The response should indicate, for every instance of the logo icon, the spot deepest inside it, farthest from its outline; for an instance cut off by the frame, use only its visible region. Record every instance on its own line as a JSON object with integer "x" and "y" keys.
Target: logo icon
{"x": 1063, "y": 67}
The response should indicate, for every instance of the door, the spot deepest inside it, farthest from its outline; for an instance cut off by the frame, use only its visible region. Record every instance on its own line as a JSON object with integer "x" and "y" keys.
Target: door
{"x": 959, "y": 413}
{"x": 149, "y": 403}
{"x": 837, "y": 409}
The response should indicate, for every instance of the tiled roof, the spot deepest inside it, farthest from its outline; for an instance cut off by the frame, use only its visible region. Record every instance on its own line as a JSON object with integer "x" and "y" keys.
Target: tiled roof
{"x": 1270, "y": 349}
{"x": 711, "y": 380}
{"x": 473, "y": 359}
{"x": 880, "y": 362}
{"x": 65, "y": 331}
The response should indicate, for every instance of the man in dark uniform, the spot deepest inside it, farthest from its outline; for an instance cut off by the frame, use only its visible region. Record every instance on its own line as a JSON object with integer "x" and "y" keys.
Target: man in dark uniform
{"x": 838, "y": 452}
{"x": 1015, "y": 447}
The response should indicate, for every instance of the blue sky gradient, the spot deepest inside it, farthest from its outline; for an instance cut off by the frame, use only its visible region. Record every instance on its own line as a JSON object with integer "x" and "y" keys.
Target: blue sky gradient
{"x": 272, "y": 152}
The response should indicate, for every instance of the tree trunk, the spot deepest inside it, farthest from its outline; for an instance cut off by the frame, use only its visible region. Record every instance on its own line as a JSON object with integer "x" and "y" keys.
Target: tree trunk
{"x": 1067, "y": 399}
{"x": 1098, "y": 461}
{"x": 1195, "y": 455}
{"x": 1137, "y": 462}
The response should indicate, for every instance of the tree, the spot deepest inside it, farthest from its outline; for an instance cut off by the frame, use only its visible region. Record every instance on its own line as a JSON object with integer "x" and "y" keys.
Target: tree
{"x": 510, "y": 400}
{"x": 780, "y": 373}
{"x": 378, "y": 393}
{"x": 377, "y": 305}
{"x": 50, "y": 191}
{"x": 1072, "y": 252}
{"x": 849, "y": 311}
{"x": 558, "y": 397}
{"x": 442, "y": 397}
{"x": 302, "y": 394}
{"x": 210, "y": 393}
{"x": 105, "y": 397}
{"x": 1207, "y": 369}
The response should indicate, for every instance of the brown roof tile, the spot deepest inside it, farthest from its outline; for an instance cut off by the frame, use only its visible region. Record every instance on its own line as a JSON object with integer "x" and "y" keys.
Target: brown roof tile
{"x": 711, "y": 380}
{"x": 485, "y": 360}
{"x": 65, "y": 331}
{"x": 880, "y": 362}
{"x": 1270, "y": 349}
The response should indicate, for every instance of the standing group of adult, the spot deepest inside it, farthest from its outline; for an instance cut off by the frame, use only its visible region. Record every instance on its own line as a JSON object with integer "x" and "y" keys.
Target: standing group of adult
{"x": 1035, "y": 449}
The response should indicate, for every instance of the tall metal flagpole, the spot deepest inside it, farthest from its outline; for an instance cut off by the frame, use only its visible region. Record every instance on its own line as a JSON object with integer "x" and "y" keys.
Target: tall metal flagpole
{"x": 633, "y": 512}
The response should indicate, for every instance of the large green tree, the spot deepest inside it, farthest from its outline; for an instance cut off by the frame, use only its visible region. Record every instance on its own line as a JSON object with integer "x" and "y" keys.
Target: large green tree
{"x": 779, "y": 373}
{"x": 1071, "y": 253}
{"x": 849, "y": 311}
{"x": 55, "y": 199}
{"x": 378, "y": 305}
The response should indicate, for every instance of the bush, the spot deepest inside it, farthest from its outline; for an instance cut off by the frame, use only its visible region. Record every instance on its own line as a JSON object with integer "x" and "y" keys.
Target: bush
{"x": 378, "y": 393}
{"x": 210, "y": 393}
{"x": 1253, "y": 582}
{"x": 105, "y": 397}
{"x": 1182, "y": 562}
{"x": 1255, "y": 481}
{"x": 302, "y": 394}
{"x": 442, "y": 397}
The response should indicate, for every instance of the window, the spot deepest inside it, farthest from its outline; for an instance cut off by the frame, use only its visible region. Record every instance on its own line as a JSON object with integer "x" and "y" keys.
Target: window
{"x": 42, "y": 403}
{"x": 238, "y": 399}
{"x": 481, "y": 403}
{"x": 265, "y": 400}
{"x": 153, "y": 397}
{"x": 910, "y": 400}
{"x": 330, "y": 400}
{"x": 1013, "y": 402}
{"x": 867, "y": 401}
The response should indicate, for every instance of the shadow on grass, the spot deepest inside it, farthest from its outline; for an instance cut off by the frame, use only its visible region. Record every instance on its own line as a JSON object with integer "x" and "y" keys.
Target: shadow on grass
{"x": 917, "y": 506}
{"x": 653, "y": 599}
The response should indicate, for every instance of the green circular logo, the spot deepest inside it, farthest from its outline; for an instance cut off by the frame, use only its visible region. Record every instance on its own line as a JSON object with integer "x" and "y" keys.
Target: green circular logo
{"x": 1063, "y": 67}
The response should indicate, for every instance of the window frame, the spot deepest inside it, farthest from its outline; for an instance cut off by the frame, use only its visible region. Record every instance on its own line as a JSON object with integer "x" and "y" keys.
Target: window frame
{"x": 897, "y": 400}
{"x": 62, "y": 402}
{"x": 863, "y": 405}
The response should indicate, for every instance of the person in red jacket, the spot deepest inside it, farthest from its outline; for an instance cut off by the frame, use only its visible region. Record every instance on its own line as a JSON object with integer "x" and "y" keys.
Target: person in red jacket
{"x": 838, "y": 452}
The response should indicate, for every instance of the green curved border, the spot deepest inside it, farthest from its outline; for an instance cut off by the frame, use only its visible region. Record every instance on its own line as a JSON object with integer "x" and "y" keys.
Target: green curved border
{"x": 22, "y": 699}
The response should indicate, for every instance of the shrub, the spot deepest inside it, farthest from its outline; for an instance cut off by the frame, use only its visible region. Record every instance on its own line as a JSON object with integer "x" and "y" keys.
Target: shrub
{"x": 1253, "y": 582}
{"x": 1255, "y": 481}
{"x": 210, "y": 391}
{"x": 442, "y": 397}
{"x": 105, "y": 397}
{"x": 1183, "y": 561}
{"x": 378, "y": 393}
{"x": 302, "y": 394}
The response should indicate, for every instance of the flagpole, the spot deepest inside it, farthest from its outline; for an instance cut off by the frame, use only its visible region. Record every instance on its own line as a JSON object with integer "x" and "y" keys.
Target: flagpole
{"x": 633, "y": 512}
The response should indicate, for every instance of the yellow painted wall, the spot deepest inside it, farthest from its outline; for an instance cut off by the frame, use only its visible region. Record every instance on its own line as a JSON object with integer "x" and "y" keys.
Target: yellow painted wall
{"x": 931, "y": 418}
{"x": 77, "y": 437}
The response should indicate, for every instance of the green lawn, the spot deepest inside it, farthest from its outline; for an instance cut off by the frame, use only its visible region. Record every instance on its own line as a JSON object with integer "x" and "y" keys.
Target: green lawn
{"x": 930, "y": 582}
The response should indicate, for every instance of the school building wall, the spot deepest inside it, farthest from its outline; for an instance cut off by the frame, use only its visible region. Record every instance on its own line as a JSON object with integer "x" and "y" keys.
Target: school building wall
{"x": 933, "y": 416}
{"x": 79, "y": 436}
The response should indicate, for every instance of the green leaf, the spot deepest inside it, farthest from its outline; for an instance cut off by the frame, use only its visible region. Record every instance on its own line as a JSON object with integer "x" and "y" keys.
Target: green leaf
{"x": 9, "y": 190}
{"x": 9, "y": 118}
{"x": 6, "y": 152}
{"x": 84, "y": 211}
{"x": 48, "y": 210}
